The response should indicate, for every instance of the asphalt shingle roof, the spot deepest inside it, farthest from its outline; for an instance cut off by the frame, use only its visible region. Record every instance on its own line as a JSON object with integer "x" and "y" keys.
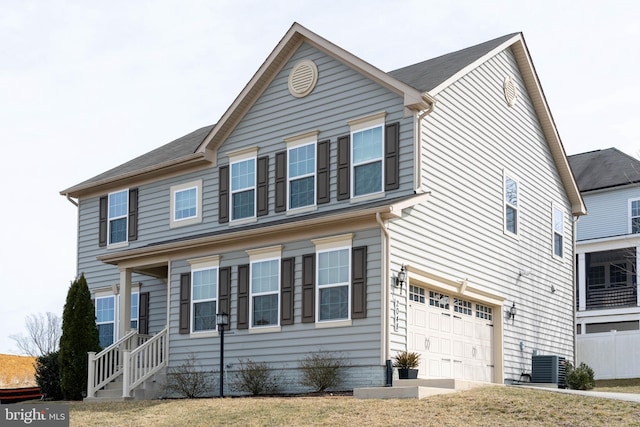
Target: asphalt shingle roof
{"x": 595, "y": 170}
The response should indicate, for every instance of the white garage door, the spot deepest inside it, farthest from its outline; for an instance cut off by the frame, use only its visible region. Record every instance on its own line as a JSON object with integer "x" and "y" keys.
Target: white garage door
{"x": 453, "y": 335}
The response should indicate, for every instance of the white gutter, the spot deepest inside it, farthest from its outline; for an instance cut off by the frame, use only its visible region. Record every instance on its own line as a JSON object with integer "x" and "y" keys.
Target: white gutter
{"x": 417, "y": 161}
{"x": 386, "y": 338}
{"x": 71, "y": 200}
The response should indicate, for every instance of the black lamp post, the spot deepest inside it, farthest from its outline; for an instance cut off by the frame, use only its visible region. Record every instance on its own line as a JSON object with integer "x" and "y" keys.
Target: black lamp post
{"x": 222, "y": 320}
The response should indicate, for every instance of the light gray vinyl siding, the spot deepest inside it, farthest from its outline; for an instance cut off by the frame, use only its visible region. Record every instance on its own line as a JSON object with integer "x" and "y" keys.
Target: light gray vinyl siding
{"x": 468, "y": 141}
{"x": 608, "y": 213}
{"x": 360, "y": 342}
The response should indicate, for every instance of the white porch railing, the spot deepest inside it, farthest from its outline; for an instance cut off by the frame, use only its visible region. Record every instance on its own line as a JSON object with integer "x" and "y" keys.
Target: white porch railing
{"x": 118, "y": 358}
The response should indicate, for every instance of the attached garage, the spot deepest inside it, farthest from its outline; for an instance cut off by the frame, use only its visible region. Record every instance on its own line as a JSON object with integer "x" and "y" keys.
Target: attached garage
{"x": 456, "y": 329}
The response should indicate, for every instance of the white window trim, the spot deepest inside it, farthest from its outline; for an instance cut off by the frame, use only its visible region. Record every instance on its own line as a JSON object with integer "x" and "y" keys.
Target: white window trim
{"x": 607, "y": 275}
{"x": 506, "y": 174}
{"x": 359, "y": 125}
{"x": 331, "y": 244}
{"x": 173, "y": 222}
{"x": 630, "y": 217}
{"x": 109, "y": 292}
{"x": 309, "y": 138}
{"x": 201, "y": 264}
{"x": 270, "y": 253}
{"x": 238, "y": 157}
{"x": 555, "y": 208}
{"x": 125, "y": 242}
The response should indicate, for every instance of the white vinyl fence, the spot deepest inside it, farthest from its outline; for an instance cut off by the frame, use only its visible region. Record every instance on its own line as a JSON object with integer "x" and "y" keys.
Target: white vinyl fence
{"x": 611, "y": 355}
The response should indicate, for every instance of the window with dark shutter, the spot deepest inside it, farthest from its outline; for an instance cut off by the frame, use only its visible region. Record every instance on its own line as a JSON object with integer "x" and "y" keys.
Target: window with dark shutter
{"x": 143, "y": 313}
{"x": 224, "y": 292}
{"x": 223, "y": 194}
{"x": 102, "y": 233}
{"x": 392, "y": 157}
{"x": 133, "y": 214}
{"x": 308, "y": 288}
{"x": 185, "y": 302}
{"x": 243, "y": 296}
{"x": 287, "y": 290}
{"x": 359, "y": 282}
{"x": 281, "y": 181}
{"x": 263, "y": 186}
{"x": 344, "y": 155}
{"x": 323, "y": 173}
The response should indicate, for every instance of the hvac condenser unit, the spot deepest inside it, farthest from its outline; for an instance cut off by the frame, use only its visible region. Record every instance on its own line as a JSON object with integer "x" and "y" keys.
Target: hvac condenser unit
{"x": 548, "y": 369}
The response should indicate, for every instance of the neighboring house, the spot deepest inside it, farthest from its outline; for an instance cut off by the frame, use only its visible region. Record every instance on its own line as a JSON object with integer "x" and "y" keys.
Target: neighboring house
{"x": 322, "y": 181}
{"x": 607, "y": 242}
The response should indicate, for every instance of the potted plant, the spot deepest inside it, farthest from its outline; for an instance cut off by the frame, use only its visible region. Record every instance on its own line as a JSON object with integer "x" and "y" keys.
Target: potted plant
{"x": 407, "y": 362}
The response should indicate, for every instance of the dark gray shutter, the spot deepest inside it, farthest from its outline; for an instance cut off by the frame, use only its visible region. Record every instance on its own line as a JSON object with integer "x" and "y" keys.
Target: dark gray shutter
{"x": 359, "y": 283}
{"x": 286, "y": 291}
{"x": 133, "y": 214}
{"x": 143, "y": 313}
{"x": 308, "y": 288}
{"x": 102, "y": 232}
{"x": 223, "y": 194}
{"x": 243, "y": 296}
{"x": 392, "y": 157}
{"x": 185, "y": 303}
{"x": 224, "y": 292}
{"x": 263, "y": 186}
{"x": 322, "y": 177}
{"x": 344, "y": 176}
{"x": 281, "y": 181}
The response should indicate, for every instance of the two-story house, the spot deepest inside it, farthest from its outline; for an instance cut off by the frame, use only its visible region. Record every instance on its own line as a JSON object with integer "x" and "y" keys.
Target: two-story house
{"x": 607, "y": 248}
{"x": 326, "y": 178}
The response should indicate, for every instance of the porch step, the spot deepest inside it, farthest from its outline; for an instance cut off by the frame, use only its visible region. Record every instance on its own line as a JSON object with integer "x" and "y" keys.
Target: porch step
{"x": 417, "y": 389}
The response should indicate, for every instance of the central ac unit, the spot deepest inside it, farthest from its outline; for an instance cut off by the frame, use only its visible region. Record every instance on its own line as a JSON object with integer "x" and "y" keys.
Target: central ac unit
{"x": 548, "y": 369}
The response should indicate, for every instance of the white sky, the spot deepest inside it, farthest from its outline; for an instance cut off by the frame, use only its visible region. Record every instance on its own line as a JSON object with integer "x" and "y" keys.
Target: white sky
{"x": 88, "y": 85}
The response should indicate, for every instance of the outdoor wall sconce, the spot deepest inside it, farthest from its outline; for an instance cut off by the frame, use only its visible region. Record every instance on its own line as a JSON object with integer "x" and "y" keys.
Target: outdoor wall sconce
{"x": 222, "y": 320}
{"x": 401, "y": 278}
{"x": 511, "y": 314}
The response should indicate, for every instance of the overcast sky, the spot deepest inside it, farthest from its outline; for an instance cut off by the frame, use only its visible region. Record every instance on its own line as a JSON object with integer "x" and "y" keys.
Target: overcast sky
{"x": 88, "y": 85}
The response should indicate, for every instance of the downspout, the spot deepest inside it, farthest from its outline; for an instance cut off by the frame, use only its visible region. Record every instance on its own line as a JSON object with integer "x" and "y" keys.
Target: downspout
{"x": 71, "y": 200}
{"x": 417, "y": 162}
{"x": 386, "y": 342}
{"x": 573, "y": 292}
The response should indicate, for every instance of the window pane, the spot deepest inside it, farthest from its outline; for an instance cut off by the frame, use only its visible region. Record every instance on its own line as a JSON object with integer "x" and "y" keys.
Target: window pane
{"x": 118, "y": 204}
{"x": 243, "y": 204}
{"x": 243, "y": 175}
{"x": 618, "y": 274}
{"x": 333, "y": 267}
{"x": 302, "y": 160}
{"x": 511, "y": 191}
{"x": 635, "y": 208}
{"x": 512, "y": 219}
{"x": 265, "y": 310}
{"x": 118, "y": 230}
{"x": 265, "y": 276}
{"x": 302, "y": 192}
{"x": 205, "y": 284}
{"x": 367, "y": 145}
{"x": 134, "y": 306}
{"x": 105, "y": 334}
{"x": 105, "y": 311}
{"x": 334, "y": 303}
{"x": 204, "y": 316}
{"x": 635, "y": 225}
{"x": 557, "y": 244}
{"x": 596, "y": 277}
{"x": 557, "y": 221}
{"x": 367, "y": 178}
{"x": 185, "y": 203}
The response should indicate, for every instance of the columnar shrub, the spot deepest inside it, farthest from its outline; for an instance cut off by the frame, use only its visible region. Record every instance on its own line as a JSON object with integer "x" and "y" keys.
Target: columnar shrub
{"x": 322, "y": 370}
{"x": 256, "y": 378}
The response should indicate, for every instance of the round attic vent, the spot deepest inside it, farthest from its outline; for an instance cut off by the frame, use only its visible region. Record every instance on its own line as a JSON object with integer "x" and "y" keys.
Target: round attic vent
{"x": 303, "y": 78}
{"x": 510, "y": 91}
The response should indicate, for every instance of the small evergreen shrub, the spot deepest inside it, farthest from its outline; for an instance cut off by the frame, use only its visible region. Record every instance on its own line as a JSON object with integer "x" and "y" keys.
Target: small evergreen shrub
{"x": 322, "y": 370}
{"x": 580, "y": 378}
{"x": 256, "y": 378}
{"x": 48, "y": 376}
{"x": 188, "y": 380}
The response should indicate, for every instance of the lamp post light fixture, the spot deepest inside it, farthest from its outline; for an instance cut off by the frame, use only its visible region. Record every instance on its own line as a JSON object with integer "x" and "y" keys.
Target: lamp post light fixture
{"x": 222, "y": 320}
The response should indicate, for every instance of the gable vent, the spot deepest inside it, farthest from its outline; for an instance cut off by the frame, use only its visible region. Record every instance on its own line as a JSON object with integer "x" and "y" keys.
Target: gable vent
{"x": 303, "y": 78}
{"x": 510, "y": 91}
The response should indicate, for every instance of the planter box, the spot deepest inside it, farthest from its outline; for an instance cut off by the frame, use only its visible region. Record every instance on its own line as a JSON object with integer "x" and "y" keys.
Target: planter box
{"x": 407, "y": 374}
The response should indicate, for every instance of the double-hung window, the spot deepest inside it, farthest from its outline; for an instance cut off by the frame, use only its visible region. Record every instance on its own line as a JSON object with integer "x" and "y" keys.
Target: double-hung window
{"x": 186, "y": 203}
{"x": 243, "y": 188}
{"x": 118, "y": 216}
{"x": 333, "y": 260}
{"x": 558, "y": 232}
{"x": 301, "y": 173}
{"x": 265, "y": 286}
{"x": 511, "y": 212}
{"x": 634, "y": 216}
{"x": 106, "y": 319}
{"x": 204, "y": 287}
{"x": 367, "y": 154}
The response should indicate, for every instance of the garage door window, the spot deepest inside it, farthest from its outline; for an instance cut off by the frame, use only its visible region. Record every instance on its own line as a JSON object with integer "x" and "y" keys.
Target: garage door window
{"x": 463, "y": 307}
{"x": 416, "y": 294}
{"x": 484, "y": 312}
{"x": 436, "y": 299}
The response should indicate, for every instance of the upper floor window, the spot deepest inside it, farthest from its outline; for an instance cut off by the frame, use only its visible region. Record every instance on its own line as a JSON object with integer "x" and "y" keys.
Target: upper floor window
{"x": 186, "y": 203}
{"x": 634, "y": 216}
{"x": 204, "y": 292}
{"x": 302, "y": 175}
{"x": 367, "y": 162}
{"x": 243, "y": 188}
{"x": 511, "y": 197}
{"x": 118, "y": 211}
{"x": 558, "y": 232}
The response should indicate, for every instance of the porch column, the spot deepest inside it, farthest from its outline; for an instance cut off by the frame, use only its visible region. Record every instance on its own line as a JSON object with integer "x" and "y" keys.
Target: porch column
{"x": 582, "y": 282}
{"x": 125, "y": 303}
